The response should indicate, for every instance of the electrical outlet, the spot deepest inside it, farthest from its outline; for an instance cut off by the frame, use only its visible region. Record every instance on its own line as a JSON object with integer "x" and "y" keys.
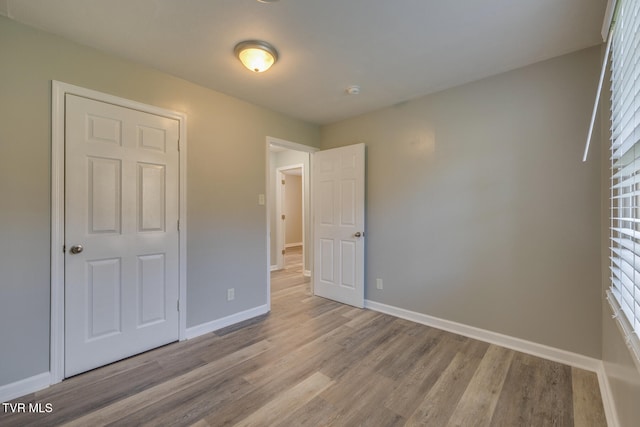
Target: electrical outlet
{"x": 261, "y": 199}
{"x": 379, "y": 283}
{"x": 231, "y": 294}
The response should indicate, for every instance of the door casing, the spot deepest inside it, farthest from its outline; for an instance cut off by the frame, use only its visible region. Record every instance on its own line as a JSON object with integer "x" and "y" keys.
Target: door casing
{"x": 58, "y": 92}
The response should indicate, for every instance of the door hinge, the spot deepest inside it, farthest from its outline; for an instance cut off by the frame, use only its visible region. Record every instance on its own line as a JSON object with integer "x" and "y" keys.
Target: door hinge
{"x": 178, "y": 144}
{"x": 64, "y": 248}
{"x": 283, "y": 217}
{"x": 178, "y": 305}
{"x": 178, "y": 225}
{"x": 283, "y": 182}
{"x": 283, "y": 252}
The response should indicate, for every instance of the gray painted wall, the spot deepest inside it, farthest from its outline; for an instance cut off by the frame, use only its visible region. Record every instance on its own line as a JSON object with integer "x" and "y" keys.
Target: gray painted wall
{"x": 479, "y": 209}
{"x": 226, "y": 172}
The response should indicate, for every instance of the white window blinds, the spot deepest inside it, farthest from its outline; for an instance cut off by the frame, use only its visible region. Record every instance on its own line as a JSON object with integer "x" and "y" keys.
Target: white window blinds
{"x": 624, "y": 294}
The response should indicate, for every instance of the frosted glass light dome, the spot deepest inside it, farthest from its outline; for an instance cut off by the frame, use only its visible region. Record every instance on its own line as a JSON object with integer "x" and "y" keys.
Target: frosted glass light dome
{"x": 256, "y": 55}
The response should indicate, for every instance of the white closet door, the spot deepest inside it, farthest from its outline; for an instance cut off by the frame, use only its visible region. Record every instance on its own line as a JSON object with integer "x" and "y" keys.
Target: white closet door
{"x": 121, "y": 236}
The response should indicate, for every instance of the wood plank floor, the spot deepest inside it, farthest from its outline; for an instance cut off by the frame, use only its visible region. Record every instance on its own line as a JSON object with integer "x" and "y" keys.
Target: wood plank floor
{"x": 314, "y": 362}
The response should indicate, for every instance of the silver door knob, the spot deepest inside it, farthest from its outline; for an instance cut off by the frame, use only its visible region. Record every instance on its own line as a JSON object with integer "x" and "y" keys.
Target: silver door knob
{"x": 358, "y": 234}
{"x": 76, "y": 249}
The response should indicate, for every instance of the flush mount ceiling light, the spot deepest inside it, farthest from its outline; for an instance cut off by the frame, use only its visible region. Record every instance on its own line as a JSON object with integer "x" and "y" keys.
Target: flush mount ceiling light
{"x": 353, "y": 90}
{"x": 256, "y": 55}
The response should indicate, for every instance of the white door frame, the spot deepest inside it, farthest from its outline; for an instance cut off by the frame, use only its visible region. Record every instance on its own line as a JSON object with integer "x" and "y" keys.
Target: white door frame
{"x": 58, "y": 92}
{"x": 297, "y": 147}
{"x": 280, "y": 230}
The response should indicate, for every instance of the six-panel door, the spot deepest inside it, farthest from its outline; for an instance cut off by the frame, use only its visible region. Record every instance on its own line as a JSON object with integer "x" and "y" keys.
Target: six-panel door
{"x": 121, "y": 213}
{"x": 338, "y": 188}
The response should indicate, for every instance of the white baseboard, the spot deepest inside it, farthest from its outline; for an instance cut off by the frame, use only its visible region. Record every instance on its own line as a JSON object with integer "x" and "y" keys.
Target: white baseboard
{"x": 518, "y": 344}
{"x": 607, "y": 398}
{"x": 274, "y": 268}
{"x": 306, "y": 273}
{"x": 205, "y": 328}
{"x": 25, "y": 386}
{"x": 292, "y": 245}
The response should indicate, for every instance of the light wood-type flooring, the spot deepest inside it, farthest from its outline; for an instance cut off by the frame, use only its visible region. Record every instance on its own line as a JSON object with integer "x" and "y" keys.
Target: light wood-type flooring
{"x": 314, "y": 362}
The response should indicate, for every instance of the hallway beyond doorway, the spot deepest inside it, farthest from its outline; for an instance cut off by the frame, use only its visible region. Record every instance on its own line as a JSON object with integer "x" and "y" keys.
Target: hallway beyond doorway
{"x": 293, "y": 258}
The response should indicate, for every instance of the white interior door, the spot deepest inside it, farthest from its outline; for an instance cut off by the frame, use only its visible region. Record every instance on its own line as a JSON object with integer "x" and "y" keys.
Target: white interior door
{"x": 338, "y": 180}
{"x": 121, "y": 232}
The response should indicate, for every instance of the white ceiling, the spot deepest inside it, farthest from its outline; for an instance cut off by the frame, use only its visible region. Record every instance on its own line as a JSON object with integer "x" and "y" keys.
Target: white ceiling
{"x": 395, "y": 50}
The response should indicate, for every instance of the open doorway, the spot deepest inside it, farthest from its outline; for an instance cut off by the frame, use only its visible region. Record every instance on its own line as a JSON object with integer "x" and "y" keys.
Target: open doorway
{"x": 290, "y": 218}
{"x": 333, "y": 252}
{"x": 289, "y": 162}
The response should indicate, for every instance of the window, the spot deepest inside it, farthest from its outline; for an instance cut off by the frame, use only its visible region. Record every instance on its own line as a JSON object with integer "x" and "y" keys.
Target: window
{"x": 624, "y": 294}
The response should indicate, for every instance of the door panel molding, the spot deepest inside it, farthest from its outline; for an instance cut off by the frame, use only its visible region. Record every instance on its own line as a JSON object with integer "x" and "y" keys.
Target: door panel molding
{"x": 59, "y": 91}
{"x": 339, "y": 178}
